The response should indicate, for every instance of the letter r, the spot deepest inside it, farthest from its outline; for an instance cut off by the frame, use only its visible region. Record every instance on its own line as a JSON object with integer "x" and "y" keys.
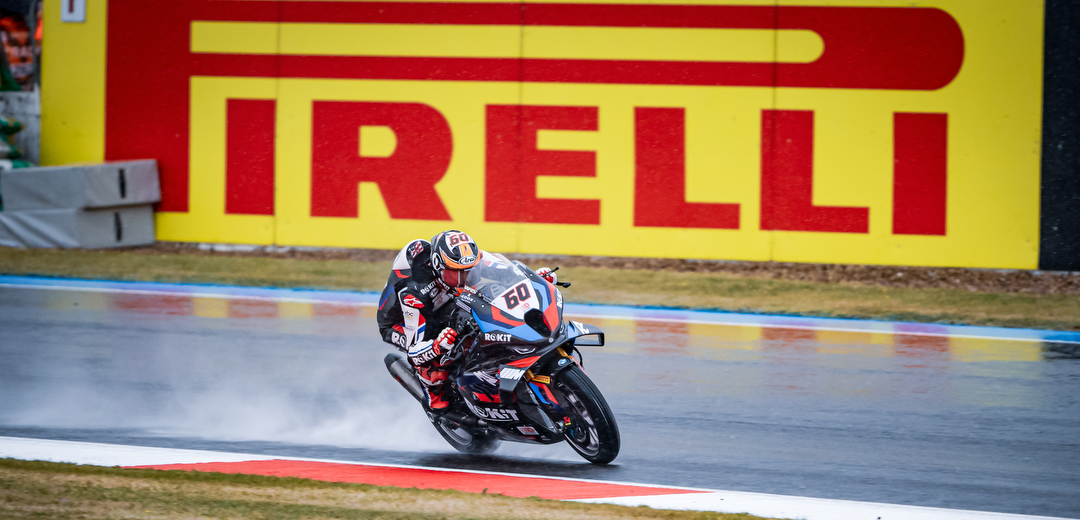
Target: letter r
{"x": 406, "y": 178}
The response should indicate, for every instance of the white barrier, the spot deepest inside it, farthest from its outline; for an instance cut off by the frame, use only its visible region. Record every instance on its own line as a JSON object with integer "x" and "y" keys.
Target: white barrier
{"x": 96, "y": 206}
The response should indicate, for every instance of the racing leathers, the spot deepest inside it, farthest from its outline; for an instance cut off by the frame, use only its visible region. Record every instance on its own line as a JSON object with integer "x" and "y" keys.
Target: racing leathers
{"x": 413, "y": 316}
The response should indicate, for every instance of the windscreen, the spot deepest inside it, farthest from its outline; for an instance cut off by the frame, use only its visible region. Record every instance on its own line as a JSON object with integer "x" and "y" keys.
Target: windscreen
{"x": 493, "y": 275}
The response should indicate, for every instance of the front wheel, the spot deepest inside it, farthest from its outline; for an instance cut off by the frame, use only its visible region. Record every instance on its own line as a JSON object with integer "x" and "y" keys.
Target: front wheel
{"x": 589, "y": 425}
{"x": 463, "y": 438}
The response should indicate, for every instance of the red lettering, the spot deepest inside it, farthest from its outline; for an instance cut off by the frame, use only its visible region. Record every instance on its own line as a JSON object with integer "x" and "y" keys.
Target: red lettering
{"x": 787, "y": 179}
{"x": 660, "y": 176}
{"x": 920, "y": 148}
{"x": 150, "y": 63}
{"x": 249, "y": 156}
{"x": 148, "y": 84}
{"x": 406, "y": 179}
{"x": 514, "y": 163}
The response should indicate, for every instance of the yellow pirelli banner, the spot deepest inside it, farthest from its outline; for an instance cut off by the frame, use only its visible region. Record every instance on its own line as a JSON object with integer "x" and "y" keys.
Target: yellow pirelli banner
{"x": 871, "y": 132}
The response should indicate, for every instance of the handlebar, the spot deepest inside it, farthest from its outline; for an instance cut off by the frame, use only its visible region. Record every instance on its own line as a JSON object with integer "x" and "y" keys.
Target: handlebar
{"x": 560, "y": 284}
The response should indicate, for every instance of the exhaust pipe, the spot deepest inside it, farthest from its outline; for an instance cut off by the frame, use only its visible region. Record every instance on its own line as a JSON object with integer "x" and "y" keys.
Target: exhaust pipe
{"x": 399, "y": 368}
{"x": 464, "y": 420}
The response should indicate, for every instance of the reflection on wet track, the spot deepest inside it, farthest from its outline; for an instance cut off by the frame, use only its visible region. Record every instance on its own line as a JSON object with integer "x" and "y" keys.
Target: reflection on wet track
{"x": 880, "y": 412}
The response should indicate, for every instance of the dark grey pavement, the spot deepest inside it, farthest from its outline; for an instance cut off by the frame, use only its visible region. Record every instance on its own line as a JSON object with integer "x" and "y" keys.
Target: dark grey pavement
{"x": 977, "y": 424}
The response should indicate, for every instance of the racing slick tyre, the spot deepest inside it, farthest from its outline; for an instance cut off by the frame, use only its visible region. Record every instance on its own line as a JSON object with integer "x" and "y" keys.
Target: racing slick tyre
{"x": 463, "y": 438}
{"x": 589, "y": 425}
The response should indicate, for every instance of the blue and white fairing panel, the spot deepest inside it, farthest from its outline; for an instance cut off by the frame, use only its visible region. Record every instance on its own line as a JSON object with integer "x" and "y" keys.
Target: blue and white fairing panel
{"x": 512, "y": 291}
{"x": 576, "y": 330}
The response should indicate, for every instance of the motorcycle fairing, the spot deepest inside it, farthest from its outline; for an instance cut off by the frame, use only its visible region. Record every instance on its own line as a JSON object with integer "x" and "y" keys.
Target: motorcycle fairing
{"x": 506, "y": 417}
{"x": 479, "y": 387}
{"x": 577, "y": 330}
{"x": 509, "y": 376}
{"x": 508, "y": 298}
{"x": 493, "y": 320}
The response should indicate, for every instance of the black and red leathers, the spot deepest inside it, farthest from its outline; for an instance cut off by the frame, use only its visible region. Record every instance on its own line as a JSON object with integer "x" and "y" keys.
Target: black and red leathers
{"x": 410, "y": 305}
{"x": 413, "y": 317}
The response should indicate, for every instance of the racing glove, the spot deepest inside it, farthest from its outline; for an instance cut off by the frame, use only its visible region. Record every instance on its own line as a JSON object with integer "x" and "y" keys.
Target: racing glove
{"x": 425, "y": 351}
{"x": 548, "y": 275}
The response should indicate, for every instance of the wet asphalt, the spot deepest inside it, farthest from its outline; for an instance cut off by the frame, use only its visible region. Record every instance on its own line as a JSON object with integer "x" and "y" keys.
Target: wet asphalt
{"x": 988, "y": 425}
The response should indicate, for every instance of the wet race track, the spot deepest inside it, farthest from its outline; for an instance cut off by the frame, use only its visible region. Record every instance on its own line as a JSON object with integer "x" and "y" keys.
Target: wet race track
{"x": 875, "y": 412}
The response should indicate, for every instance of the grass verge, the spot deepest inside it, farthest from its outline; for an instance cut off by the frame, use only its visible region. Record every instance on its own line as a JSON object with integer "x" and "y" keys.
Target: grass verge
{"x": 50, "y": 490}
{"x": 720, "y": 291}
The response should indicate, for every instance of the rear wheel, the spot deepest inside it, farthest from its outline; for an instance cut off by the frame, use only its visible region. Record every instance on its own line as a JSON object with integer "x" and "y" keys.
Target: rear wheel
{"x": 589, "y": 425}
{"x": 464, "y": 438}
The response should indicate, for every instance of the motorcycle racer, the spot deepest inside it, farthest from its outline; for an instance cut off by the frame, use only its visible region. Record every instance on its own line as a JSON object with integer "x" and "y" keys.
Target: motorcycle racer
{"x": 424, "y": 277}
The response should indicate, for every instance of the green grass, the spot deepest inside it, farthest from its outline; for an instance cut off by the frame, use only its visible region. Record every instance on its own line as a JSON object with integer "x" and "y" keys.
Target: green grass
{"x": 223, "y": 270}
{"x": 590, "y": 285}
{"x": 50, "y": 490}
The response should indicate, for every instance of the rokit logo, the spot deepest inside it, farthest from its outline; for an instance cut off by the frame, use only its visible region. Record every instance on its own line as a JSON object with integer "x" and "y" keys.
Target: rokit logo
{"x": 493, "y": 414}
{"x": 496, "y": 337}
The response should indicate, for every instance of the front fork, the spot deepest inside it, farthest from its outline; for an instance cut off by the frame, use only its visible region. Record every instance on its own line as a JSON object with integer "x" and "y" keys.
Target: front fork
{"x": 536, "y": 389}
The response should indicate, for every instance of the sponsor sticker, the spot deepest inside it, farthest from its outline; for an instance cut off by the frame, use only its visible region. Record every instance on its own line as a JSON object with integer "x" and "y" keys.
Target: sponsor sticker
{"x": 511, "y": 373}
{"x": 426, "y": 356}
{"x": 493, "y": 414}
{"x": 528, "y": 430}
{"x": 494, "y": 336}
{"x": 416, "y": 248}
{"x": 412, "y": 301}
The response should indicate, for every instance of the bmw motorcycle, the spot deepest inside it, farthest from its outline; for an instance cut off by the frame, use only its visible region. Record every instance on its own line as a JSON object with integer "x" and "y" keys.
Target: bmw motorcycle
{"x": 519, "y": 377}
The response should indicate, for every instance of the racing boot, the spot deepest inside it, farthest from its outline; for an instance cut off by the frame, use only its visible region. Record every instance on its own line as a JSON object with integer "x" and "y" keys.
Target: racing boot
{"x": 434, "y": 380}
{"x": 435, "y": 399}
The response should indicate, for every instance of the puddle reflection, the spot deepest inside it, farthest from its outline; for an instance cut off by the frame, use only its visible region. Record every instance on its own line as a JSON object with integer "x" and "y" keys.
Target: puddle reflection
{"x": 720, "y": 359}
{"x": 894, "y": 360}
{"x": 911, "y": 342}
{"x": 205, "y": 307}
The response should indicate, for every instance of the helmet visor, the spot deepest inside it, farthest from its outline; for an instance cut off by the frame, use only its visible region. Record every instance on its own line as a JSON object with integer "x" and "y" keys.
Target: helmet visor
{"x": 454, "y": 277}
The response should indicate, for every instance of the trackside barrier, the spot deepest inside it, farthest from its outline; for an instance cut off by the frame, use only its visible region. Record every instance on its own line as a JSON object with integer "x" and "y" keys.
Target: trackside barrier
{"x": 840, "y": 132}
{"x": 106, "y": 205}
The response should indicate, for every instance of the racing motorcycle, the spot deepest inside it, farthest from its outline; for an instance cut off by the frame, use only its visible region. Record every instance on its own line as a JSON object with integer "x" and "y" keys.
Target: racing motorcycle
{"x": 519, "y": 377}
